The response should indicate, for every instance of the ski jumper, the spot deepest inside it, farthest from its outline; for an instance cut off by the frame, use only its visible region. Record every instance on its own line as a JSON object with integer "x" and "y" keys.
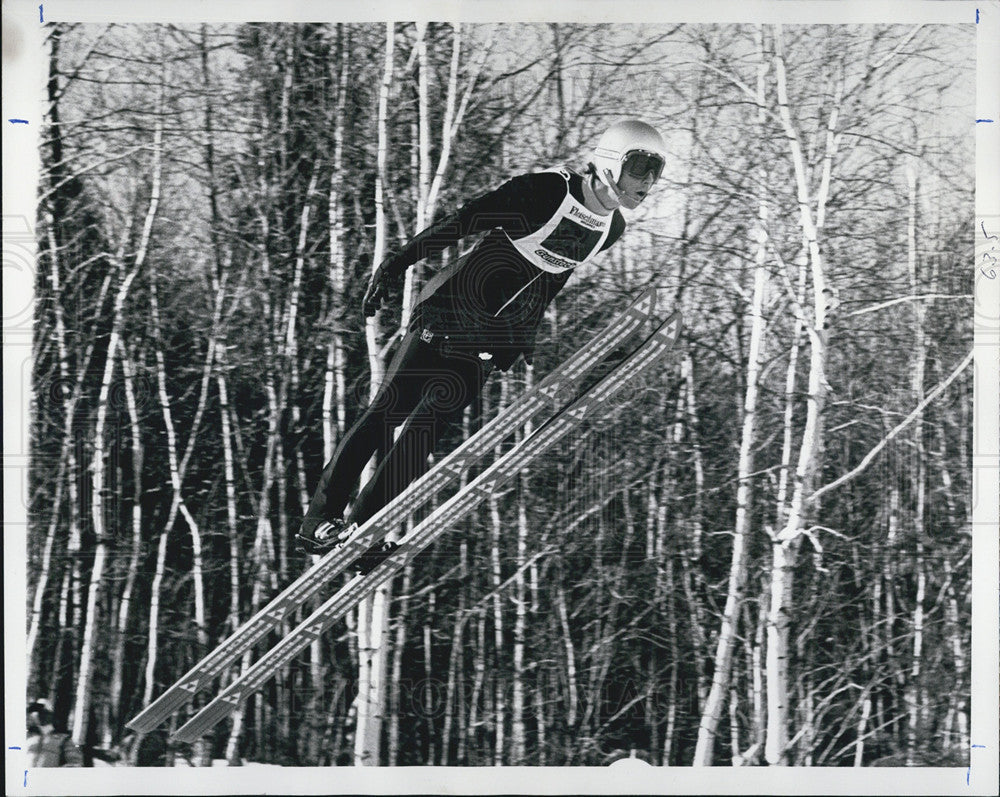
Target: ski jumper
{"x": 478, "y": 313}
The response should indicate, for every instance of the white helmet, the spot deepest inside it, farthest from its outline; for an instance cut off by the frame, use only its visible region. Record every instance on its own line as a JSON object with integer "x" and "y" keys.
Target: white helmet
{"x": 632, "y": 146}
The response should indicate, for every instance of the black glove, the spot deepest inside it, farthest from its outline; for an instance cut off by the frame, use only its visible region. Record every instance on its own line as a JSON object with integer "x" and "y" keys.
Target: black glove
{"x": 378, "y": 289}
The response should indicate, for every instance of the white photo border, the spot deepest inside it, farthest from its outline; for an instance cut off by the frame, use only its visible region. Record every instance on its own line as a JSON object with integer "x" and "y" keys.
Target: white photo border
{"x": 22, "y": 101}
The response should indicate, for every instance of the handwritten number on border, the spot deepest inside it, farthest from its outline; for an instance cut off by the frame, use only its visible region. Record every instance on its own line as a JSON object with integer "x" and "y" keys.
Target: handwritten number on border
{"x": 991, "y": 272}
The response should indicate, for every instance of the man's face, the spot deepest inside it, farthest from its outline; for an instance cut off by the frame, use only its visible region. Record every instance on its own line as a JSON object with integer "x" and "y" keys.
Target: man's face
{"x": 634, "y": 189}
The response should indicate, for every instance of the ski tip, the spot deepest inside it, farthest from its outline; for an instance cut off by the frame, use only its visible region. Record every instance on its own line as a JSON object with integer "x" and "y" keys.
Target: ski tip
{"x": 646, "y": 302}
{"x": 673, "y": 326}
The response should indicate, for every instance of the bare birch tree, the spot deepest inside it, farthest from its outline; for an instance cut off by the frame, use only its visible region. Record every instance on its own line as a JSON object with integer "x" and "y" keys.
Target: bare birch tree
{"x": 372, "y": 613}
{"x": 788, "y": 538}
{"x": 84, "y": 688}
{"x": 712, "y": 710}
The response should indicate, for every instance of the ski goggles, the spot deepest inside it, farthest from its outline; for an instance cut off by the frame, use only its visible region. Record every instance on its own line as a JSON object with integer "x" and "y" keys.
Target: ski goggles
{"x": 638, "y": 163}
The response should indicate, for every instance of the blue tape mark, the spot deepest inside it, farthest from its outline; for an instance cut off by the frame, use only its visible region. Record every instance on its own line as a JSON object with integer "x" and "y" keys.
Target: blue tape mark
{"x": 41, "y": 17}
{"x": 13, "y": 748}
{"x": 18, "y": 121}
{"x": 25, "y": 778}
{"x": 977, "y": 121}
{"x": 977, "y": 16}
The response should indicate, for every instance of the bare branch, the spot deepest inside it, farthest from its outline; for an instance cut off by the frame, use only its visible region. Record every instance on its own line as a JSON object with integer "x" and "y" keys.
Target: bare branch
{"x": 899, "y": 428}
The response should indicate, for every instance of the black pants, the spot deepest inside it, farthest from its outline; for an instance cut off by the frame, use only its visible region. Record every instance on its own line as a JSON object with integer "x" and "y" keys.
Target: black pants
{"x": 425, "y": 389}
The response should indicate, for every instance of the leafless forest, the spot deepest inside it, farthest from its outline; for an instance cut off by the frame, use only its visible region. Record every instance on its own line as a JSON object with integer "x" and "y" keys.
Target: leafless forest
{"x": 762, "y": 559}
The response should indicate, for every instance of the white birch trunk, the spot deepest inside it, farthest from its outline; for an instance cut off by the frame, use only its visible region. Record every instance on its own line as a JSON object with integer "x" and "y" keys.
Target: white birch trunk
{"x": 232, "y": 525}
{"x": 693, "y": 577}
{"x": 517, "y": 730}
{"x": 572, "y": 690}
{"x": 124, "y": 608}
{"x": 913, "y": 694}
{"x": 499, "y": 696}
{"x": 397, "y": 667}
{"x": 37, "y": 601}
{"x": 952, "y": 614}
{"x": 335, "y": 381}
{"x": 454, "y": 690}
{"x": 178, "y": 468}
{"x": 712, "y": 711}
{"x": 453, "y": 119}
{"x": 154, "y": 617}
{"x": 232, "y": 522}
{"x": 859, "y": 744}
{"x": 70, "y": 603}
{"x": 422, "y": 156}
{"x": 81, "y": 708}
{"x": 785, "y": 545}
{"x": 789, "y": 411}
{"x": 68, "y": 468}
{"x": 373, "y": 614}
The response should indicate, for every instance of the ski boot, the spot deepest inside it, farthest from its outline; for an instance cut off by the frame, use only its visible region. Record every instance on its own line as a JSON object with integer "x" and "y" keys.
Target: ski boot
{"x": 319, "y": 536}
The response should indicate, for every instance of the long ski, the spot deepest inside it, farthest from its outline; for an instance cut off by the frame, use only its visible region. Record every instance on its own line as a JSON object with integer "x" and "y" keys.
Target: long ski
{"x": 557, "y": 387}
{"x": 600, "y": 397}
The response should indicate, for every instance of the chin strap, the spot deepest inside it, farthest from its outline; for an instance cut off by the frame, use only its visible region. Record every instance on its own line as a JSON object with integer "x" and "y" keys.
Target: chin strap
{"x": 619, "y": 194}
{"x": 612, "y": 187}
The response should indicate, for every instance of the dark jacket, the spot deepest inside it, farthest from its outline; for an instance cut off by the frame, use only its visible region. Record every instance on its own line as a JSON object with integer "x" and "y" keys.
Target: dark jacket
{"x": 493, "y": 298}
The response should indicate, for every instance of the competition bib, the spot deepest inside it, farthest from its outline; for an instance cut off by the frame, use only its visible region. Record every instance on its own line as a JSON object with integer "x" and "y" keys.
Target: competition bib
{"x": 570, "y": 237}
